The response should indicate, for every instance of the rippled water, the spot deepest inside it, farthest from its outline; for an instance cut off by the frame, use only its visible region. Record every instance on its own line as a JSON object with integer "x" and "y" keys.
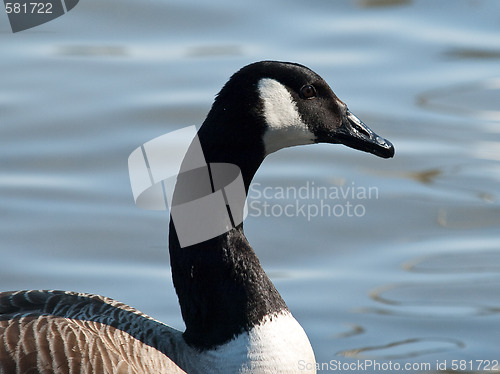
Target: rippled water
{"x": 413, "y": 277}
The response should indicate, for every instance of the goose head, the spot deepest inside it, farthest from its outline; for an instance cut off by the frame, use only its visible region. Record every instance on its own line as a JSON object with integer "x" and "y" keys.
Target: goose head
{"x": 270, "y": 105}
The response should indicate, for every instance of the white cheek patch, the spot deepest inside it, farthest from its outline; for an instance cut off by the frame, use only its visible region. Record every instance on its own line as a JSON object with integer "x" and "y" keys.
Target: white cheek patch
{"x": 285, "y": 127}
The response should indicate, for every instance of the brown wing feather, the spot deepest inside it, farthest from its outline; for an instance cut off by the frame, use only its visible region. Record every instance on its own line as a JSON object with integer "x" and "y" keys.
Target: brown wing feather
{"x": 40, "y": 332}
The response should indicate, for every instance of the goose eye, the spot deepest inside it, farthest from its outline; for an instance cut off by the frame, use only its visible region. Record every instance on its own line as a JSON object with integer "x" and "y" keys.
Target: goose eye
{"x": 307, "y": 92}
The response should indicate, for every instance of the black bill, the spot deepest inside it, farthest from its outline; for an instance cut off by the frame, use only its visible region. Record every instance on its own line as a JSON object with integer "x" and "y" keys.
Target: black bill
{"x": 355, "y": 134}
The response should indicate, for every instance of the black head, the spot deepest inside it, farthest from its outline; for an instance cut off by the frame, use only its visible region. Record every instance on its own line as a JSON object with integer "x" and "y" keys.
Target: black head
{"x": 270, "y": 105}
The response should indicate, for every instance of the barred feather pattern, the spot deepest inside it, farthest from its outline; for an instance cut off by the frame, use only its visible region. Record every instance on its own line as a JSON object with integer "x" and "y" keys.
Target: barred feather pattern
{"x": 66, "y": 332}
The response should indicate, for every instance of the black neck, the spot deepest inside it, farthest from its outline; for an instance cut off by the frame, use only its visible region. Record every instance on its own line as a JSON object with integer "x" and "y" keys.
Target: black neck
{"x": 221, "y": 285}
{"x": 222, "y": 288}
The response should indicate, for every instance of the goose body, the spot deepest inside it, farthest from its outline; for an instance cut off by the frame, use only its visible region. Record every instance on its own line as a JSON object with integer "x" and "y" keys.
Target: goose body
{"x": 236, "y": 321}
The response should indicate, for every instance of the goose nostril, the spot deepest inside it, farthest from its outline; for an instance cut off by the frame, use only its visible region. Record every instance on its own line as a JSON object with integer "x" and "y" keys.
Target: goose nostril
{"x": 360, "y": 128}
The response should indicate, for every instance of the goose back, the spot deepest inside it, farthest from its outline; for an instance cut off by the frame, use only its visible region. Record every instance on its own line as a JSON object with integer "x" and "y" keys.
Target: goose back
{"x": 67, "y": 332}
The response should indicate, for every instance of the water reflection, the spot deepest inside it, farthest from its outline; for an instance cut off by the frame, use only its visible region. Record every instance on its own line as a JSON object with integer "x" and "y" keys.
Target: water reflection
{"x": 409, "y": 348}
{"x": 352, "y": 331}
{"x": 477, "y": 99}
{"x": 381, "y": 3}
{"x": 425, "y": 176}
{"x": 480, "y": 296}
{"x": 469, "y": 217}
{"x": 214, "y": 50}
{"x": 472, "y": 53}
{"x": 488, "y": 150}
{"x": 92, "y": 50}
{"x": 469, "y": 262}
{"x": 429, "y": 311}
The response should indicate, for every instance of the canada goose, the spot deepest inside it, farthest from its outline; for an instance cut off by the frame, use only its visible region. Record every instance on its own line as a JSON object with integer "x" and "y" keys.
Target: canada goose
{"x": 236, "y": 321}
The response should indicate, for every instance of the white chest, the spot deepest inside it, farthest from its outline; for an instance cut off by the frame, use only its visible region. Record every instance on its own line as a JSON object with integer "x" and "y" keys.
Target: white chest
{"x": 278, "y": 345}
